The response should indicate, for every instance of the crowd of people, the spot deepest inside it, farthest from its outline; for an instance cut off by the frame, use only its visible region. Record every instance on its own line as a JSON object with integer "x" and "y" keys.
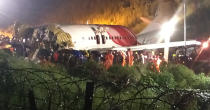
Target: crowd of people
{"x": 40, "y": 45}
{"x": 69, "y": 57}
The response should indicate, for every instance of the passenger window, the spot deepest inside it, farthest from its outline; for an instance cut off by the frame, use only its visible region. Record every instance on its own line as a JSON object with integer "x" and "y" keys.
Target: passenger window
{"x": 91, "y": 38}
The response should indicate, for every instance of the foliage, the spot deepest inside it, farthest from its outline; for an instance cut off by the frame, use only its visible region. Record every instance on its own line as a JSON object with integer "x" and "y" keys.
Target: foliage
{"x": 90, "y": 69}
{"x": 51, "y": 86}
{"x": 126, "y": 88}
{"x": 182, "y": 75}
{"x": 122, "y": 76}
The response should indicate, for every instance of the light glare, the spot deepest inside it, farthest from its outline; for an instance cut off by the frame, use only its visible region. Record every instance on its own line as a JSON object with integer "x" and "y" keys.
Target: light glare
{"x": 205, "y": 45}
{"x": 168, "y": 28}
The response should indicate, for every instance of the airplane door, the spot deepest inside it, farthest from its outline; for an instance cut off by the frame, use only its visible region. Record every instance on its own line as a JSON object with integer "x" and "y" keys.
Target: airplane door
{"x": 103, "y": 39}
{"x": 97, "y": 39}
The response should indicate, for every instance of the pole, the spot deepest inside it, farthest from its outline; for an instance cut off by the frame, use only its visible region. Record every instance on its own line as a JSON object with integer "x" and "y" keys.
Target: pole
{"x": 166, "y": 49}
{"x": 89, "y": 95}
{"x": 185, "y": 29}
{"x": 185, "y": 22}
{"x": 166, "y": 53}
{"x": 32, "y": 101}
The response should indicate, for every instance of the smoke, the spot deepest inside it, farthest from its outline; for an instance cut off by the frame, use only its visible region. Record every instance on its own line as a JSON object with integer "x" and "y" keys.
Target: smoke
{"x": 113, "y": 12}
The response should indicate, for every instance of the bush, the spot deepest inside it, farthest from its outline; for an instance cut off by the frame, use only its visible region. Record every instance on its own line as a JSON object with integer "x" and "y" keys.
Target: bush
{"x": 183, "y": 76}
{"x": 137, "y": 87}
{"x": 90, "y": 69}
{"x": 122, "y": 76}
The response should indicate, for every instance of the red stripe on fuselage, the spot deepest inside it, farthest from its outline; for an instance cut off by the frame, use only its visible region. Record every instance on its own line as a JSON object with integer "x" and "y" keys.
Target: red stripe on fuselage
{"x": 121, "y": 36}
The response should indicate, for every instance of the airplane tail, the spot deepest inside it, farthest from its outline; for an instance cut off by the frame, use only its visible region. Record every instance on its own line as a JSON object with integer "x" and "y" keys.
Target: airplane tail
{"x": 165, "y": 11}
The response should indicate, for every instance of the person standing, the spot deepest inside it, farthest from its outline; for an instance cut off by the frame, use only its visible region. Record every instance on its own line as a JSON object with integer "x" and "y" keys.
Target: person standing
{"x": 55, "y": 56}
{"x": 108, "y": 60}
{"x": 130, "y": 57}
{"x": 123, "y": 60}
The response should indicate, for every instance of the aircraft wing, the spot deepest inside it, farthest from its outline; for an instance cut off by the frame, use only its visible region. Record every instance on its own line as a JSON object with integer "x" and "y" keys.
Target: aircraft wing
{"x": 159, "y": 45}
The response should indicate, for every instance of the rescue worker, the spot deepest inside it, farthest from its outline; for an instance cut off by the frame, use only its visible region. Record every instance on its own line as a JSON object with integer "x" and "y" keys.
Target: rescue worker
{"x": 136, "y": 57}
{"x": 157, "y": 64}
{"x": 108, "y": 60}
{"x": 123, "y": 58}
{"x": 130, "y": 57}
{"x": 55, "y": 56}
{"x": 12, "y": 50}
{"x": 86, "y": 53}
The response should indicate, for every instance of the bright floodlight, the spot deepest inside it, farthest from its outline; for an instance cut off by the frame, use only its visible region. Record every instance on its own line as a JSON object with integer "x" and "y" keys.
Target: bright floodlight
{"x": 168, "y": 28}
{"x": 205, "y": 45}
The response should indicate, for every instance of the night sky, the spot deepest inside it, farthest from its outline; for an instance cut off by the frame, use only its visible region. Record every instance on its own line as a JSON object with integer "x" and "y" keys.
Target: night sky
{"x": 26, "y": 11}
{"x": 36, "y": 11}
{"x": 116, "y": 12}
